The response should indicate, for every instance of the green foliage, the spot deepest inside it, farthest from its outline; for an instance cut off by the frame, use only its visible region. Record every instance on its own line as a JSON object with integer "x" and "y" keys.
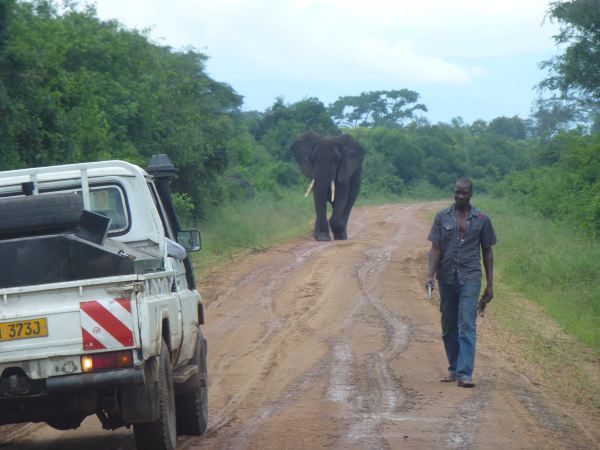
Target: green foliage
{"x": 551, "y": 265}
{"x": 254, "y": 224}
{"x": 281, "y": 124}
{"x": 73, "y": 88}
{"x": 568, "y": 189}
{"x": 392, "y": 160}
{"x": 578, "y": 67}
{"x": 376, "y": 108}
{"x": 185, "y": 208}
{"x": 437, "y": 155}
{"x": 553, "y": 116}
{"x": 510, "y": 127}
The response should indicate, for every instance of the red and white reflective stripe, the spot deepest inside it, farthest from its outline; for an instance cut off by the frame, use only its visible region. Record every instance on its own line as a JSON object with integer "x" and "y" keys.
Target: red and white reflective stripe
{"x": 106, "y": 324}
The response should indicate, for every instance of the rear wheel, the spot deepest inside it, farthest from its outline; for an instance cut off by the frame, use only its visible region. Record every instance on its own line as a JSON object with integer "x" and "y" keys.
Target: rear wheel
{"x": 160, "y": 434}
{"x": 192, "y": 405}
{"x": 65, "y": 422}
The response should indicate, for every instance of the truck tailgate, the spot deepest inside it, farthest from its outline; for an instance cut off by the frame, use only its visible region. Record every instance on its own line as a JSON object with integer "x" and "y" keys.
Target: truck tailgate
{"x": 65, "y": 319}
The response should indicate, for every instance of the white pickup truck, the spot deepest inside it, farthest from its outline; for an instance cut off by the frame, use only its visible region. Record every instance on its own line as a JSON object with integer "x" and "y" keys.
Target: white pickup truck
{"x": 97, "y": 315}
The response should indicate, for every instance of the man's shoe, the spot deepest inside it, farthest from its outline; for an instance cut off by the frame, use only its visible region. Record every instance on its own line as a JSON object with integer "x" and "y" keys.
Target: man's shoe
{"x": 466, "y": 383}
{"x": 450, "y": 378}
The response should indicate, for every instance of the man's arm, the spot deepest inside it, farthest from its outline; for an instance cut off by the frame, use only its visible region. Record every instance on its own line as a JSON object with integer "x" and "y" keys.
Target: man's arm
{"x": 488, "y": 264}
{"x": 434, "y": 261}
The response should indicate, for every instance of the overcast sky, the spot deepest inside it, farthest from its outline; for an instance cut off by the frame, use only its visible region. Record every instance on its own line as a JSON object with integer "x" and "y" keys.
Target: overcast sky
{"x": 477, "y": 59}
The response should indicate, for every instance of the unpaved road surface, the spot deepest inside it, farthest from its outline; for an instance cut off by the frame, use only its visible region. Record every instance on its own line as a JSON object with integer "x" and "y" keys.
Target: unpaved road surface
{"x": 333, "y": 345}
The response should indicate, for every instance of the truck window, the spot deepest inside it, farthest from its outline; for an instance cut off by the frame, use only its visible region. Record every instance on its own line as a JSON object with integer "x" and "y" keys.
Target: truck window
{"x": 110, "y": 202}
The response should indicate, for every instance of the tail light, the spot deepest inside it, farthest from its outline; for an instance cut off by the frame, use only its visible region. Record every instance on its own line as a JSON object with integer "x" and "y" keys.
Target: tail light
{"x": 106, "y": 361}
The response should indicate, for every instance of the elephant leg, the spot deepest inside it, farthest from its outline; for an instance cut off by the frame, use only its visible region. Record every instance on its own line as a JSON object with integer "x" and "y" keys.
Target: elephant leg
{"x": 338, "y": 219}
{"x": 321, "y": 229}
{"x": 338, "y": 229}
{"x": 352, "y": 196}
{"x": 319, "y": 234}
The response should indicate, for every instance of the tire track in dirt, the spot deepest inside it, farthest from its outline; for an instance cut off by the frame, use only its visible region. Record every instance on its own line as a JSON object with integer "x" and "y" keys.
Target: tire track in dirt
{"x": 302, "y": 255}
{"x": 241, "y": 438}
{"x": 461, "y": 432}
{"x": 265, "y": 298}
{"x": 386, "y": 398}
{"x": 305, "y": 254}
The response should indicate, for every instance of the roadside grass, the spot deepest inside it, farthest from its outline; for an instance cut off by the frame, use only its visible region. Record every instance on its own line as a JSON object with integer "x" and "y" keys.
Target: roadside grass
{"x": 544, "y": 317}
{"x": 255, "y": 224}
{"x": 551, "y": 264}
{"x": 525, "y": 334}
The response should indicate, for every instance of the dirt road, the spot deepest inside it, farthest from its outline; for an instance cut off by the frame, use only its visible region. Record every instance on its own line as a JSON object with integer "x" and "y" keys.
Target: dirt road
{"x": 333, "y": 345}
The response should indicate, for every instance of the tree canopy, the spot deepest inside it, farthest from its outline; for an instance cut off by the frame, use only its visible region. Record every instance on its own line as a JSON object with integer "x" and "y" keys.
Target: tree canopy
{"x": 576, "y": 70}
{"x": 74, "y": 88}
{"x": 376, "y": 108}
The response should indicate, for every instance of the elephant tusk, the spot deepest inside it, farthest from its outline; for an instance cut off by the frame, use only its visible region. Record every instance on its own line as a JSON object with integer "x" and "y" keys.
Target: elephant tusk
{"x": 332, "y": 191}
{"x": 312, "y": 183}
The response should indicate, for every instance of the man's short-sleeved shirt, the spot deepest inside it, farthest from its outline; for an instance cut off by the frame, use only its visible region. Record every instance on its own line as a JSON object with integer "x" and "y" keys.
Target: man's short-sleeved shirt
{"x": 460, "y": 258}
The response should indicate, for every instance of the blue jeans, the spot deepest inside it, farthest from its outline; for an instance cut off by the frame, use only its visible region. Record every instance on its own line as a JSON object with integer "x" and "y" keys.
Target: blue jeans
{"x": 459, "y": 329}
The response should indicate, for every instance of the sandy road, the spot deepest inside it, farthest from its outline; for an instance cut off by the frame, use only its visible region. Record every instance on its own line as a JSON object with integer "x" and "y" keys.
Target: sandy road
{"x": 332, "y": 345}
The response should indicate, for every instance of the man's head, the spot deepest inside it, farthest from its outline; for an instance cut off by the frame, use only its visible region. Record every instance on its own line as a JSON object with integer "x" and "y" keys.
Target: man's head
{"x": 463, "y": 191}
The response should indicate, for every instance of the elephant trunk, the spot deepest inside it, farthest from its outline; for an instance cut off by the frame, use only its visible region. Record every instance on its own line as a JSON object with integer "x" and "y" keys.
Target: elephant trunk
{"x": 311, "y": 185}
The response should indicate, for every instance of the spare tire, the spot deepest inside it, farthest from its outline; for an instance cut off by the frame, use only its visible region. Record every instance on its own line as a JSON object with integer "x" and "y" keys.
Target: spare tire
{"x": 39, "y": 214}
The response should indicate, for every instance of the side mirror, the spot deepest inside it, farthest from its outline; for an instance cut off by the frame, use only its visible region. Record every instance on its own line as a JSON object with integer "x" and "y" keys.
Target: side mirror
{"x": 190, "y": 239}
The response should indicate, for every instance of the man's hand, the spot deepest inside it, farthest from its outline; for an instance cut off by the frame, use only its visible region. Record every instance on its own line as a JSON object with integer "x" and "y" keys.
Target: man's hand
{"x": 429, "y": 282}
{"x": 433, "y": 263}
{"x": 429, "y": 285}
{"x": 488, "y": 263}
{"x": 488, "y": 294}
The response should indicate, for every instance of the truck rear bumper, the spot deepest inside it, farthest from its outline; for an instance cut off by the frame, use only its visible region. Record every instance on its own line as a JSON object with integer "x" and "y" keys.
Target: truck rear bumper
{"x": 108, "y": 379}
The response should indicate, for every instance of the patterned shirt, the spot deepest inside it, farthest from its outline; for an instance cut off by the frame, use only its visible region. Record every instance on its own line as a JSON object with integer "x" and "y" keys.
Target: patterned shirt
{"x": 460, "y": 256}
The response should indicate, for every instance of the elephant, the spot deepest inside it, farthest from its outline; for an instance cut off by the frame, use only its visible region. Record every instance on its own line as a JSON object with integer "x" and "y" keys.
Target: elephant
{"x": 334, "y": 164}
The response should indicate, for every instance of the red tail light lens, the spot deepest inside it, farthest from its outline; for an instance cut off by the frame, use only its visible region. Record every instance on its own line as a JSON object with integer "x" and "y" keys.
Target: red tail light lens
{"x": 106, "y": 361}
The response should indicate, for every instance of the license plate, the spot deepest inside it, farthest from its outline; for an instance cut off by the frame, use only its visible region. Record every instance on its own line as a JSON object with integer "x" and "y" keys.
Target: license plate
{"x": 23, "y": 329}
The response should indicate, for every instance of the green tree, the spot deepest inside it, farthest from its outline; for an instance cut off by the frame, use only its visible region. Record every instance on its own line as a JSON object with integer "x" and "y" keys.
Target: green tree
{"x": 393, "y": 147}
{"x": 553, "y": 116}
{"x": 577, "y": 69}
{"x": 8, "y": 151}
{"x": 512, "y": 127}
{"x": 376, "y": 108}
{"x": 281, "y": 124}
{"x": 567, "y": 187}
{"x": 74, "y": 88}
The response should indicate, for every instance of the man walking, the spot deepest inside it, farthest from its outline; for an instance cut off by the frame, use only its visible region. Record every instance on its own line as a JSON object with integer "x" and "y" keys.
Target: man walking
{"x": 460, "y": 233}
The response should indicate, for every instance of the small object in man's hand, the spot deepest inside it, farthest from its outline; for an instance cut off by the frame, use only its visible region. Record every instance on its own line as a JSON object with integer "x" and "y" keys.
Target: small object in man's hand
{"x": 481, "y": 306}
{"x": 429, "y": 291}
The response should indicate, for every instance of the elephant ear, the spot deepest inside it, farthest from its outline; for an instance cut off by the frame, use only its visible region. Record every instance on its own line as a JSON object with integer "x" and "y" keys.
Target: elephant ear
{"x": 352, "y": 157}
{"x": 304, "y": 150}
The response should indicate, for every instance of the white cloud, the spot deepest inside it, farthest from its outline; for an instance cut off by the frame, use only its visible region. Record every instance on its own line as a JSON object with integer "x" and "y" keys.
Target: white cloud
{"x": 398, "y": 43}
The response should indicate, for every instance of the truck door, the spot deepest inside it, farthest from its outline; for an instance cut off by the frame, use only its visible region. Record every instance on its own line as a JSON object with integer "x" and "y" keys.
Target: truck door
{"x": 188, "y": 297}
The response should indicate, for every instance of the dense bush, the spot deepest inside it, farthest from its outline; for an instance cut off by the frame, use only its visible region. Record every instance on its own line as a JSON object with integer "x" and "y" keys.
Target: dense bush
{"x": 567, "y": 189}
